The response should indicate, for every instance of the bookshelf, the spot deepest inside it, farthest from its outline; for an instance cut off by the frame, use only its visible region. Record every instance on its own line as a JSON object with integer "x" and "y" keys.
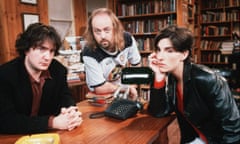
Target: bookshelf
{"x": 145, "y": 18}
{"x": 218, "y": 20}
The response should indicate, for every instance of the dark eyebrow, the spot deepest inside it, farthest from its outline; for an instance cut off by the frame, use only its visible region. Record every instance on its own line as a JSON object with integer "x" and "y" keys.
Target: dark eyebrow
{"x": 167, "y": 48}
{"x": 53, "y": 49}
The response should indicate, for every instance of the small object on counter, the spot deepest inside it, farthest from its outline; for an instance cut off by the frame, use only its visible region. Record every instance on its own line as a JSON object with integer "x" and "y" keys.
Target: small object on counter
{"x": 99, "y": 100}
{"x": 49, "y": 138}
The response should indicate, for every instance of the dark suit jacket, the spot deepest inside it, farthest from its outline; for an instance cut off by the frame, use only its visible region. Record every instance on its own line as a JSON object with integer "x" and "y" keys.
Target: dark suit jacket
{"x": 16, "y": 97}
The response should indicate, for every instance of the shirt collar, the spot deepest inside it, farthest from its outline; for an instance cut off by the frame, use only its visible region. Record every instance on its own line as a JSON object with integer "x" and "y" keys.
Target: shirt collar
{"x": 44, "y": 75}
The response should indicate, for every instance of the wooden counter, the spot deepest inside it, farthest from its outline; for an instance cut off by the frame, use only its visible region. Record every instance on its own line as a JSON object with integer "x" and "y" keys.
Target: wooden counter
{"x": 141, "y": 129}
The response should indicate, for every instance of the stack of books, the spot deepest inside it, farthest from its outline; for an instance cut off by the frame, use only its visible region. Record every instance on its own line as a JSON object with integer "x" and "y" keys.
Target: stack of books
{"x": 227, "y": 47}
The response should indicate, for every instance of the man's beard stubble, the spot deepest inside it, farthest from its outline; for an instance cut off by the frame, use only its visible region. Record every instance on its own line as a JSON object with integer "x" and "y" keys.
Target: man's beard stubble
{"x": 107, "y": 45}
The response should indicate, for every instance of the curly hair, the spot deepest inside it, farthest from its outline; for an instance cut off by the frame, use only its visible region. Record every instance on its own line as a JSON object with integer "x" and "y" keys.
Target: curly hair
{"x": 34, "y": 36}
{"x": 117, "y": 29}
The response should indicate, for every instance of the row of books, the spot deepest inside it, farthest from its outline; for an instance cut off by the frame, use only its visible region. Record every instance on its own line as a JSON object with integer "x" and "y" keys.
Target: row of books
{"x": 148, "y": 26}
{"x": 210, "y": 44}
{"x": 210, "y": 16}
{"x": 221, "y": 3}
{"x": 214, "y": 57}
{"x": 145, "y": 44}
{"x": 146, "y": 7}
{"x": 233, "y": 2}
{"x": 213, "y": 30}
{"x": 225, "y": 47}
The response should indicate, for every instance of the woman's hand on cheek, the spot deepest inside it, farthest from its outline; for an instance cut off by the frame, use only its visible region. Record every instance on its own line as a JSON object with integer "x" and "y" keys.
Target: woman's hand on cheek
{"x": 154, "y": 65}
{"x": 153, "y": 62}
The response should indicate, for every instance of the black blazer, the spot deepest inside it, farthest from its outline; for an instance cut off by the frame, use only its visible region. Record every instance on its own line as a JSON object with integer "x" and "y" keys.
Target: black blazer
{"x": 16, "y": 97}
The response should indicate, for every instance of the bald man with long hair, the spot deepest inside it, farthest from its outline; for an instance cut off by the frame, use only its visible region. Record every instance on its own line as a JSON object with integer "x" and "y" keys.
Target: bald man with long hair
{"x": 108, "y": 49}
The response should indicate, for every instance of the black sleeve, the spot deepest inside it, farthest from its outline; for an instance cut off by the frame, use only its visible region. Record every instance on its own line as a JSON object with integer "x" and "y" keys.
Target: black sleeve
{"x": 159, "y": 105}
{"x": 15, "y": 109}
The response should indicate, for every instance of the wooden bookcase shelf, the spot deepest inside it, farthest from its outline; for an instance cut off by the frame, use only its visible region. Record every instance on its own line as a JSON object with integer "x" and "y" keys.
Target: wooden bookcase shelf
{"x": 145, "y": 18}
{"x": 218, "y": 20}
{"x": 149, "y": 15}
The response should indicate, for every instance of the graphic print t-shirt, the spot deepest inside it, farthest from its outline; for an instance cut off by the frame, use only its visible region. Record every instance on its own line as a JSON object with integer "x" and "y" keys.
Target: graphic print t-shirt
{"x": 101, "y": 66}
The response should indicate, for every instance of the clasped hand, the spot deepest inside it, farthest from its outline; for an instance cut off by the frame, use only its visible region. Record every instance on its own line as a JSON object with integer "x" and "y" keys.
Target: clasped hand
{"x": 68, "y": 119}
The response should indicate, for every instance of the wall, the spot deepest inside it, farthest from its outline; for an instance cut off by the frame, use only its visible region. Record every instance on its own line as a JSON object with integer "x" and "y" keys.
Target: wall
{"x": 11, "y": 24}
{"x": 61, "y": 17}
{"x": 80, "y": 16}
{"x": 94, "y": 4}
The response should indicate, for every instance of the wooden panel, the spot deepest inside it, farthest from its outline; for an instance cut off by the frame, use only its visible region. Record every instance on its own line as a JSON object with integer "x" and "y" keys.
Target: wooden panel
{"x": 11, "y": 24}
{"x": 112, "y": 5}
{"x": 80, "y": 16}
{"x": 78, "y": 90}
{"x": 4, "y": 32}
{"x": 42, "y": 9}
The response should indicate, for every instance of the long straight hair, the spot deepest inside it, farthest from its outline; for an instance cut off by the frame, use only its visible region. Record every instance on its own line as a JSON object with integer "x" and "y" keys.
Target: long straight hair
{"x": 118, "y": 38}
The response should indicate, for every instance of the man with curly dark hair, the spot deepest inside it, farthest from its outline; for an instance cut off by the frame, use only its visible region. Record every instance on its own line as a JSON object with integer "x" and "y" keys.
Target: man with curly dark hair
{"x": 34, "y": 93}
